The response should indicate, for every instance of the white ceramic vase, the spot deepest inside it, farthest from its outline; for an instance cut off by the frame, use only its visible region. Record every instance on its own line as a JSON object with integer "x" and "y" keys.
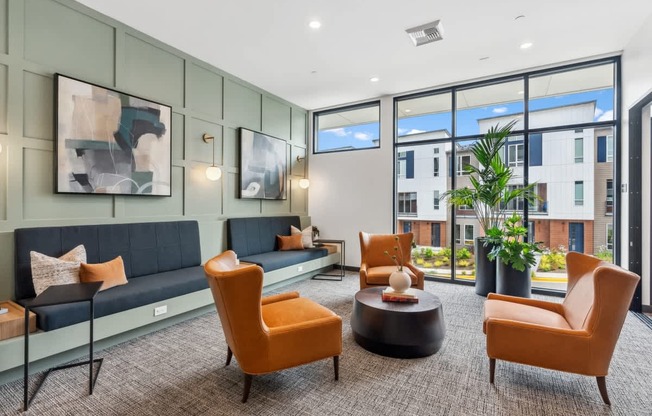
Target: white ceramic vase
{"x": 400, "y": 281}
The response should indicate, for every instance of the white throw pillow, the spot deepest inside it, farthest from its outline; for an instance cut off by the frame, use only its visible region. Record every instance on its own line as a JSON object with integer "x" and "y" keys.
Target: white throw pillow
{"x": 306, "y": 235}
{"x": 49, "y": 271}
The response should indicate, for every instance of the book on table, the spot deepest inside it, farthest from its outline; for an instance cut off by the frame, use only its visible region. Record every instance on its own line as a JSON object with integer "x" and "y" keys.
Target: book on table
{"x": 389, "y": 295}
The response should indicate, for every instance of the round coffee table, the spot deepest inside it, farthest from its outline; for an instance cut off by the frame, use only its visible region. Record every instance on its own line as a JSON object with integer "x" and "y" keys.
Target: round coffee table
{"x": 393, "y": 329}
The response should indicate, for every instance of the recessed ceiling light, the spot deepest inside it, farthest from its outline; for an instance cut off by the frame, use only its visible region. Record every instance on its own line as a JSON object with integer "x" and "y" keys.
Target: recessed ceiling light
{"x": 484, "y": 58}
{"x": 520, "y": 16}
{"x": 374, "y": 79}
{"x": 407, "y": 110}
{"x": 313, "y": 72}
{"x": 315, "y": 24}
{"x": 526, "y": 45}
{"x": 521, "y": 92}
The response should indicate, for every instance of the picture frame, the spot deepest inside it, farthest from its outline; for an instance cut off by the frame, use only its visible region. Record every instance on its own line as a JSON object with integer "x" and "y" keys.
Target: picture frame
{"x": 109, "y": 142}
{"x": 263, "y": 166}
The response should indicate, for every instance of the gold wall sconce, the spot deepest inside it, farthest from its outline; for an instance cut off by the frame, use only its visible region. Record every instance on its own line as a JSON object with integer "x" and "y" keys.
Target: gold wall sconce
{"x": 213, "y": 173}
{"x": 304, "y": 183}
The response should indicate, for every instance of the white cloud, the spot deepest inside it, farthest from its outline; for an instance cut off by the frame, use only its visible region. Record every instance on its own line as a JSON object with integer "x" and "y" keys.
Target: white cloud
{"x": 340, "y": 132}
{"x": 598, "y": 113}
{"x": 362, "y": 136}
{"x": 402, "y": 131}
{"x": 606, "y": 116}
{"x": 414, "y": 131}
{"x": 499, "y": 110}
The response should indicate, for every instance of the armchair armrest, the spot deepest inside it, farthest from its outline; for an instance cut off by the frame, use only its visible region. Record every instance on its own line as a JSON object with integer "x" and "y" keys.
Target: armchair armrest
{"x": 278, "y": 297}
{"x": 363, "y": 275}
{"x": 549, "y": 347}
{"x": 418, "y": 273}
{"x": 550, "y": 306}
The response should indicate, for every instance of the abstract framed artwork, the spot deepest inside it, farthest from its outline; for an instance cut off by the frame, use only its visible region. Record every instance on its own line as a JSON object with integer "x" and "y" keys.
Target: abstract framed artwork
{"x": 263, "y": 166}
{"x": 109, "y": 142}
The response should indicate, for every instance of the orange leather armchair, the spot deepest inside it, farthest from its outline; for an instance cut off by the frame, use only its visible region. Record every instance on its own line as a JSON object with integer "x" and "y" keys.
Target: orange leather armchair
{"x": 578, "y": 335}
{"x": 272, "y": 333}
{"x": 376, "y": 266}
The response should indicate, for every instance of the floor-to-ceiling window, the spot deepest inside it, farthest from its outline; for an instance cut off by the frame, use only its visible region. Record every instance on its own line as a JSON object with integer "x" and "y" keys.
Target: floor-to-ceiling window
{"x": 563, "y": 141}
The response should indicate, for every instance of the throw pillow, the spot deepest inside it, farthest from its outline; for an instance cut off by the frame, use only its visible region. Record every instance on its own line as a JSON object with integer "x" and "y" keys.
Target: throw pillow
{"x": 306, "y": 235}
{"x": 112, "y": 273}
{"x": 289, "y": 242}
{"x": 49, "y": 271}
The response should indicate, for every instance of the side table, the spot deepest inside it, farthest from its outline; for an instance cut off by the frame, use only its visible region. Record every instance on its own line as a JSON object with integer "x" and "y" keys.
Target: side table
{"x": 340, "y": 275}
{"x": 57, "y": 295}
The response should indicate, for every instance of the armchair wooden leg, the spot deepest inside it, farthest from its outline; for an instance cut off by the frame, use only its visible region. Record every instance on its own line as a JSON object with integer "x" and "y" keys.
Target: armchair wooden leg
{"x": 247, "y": 387}
{"x": 602, "y": 385}
{"x": 336, "y": 366}
{"x": 229, "y": 355}
{"x": 492, "y": 369}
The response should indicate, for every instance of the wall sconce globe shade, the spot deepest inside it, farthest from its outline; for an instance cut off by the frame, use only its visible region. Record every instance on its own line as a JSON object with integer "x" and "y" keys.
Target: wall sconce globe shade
{"x": 213, "y": 173}
{"x": 304, "y": 183}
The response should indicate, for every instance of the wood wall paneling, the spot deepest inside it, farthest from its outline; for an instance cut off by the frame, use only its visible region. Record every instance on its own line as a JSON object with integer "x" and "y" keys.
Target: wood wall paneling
{"x": 38, "y": 102}
{"x": 3, "y": 99}
{"x": 43, "y": 37}
{"x": 152, "y": 72}
{"x": 60, "y": 37}
{"x": 242, "y": 106}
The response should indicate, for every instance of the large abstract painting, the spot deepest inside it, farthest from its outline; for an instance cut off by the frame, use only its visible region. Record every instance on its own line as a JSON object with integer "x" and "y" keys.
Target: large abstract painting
{"x": 110, "y": 142}
{"x": 263, "y": 166}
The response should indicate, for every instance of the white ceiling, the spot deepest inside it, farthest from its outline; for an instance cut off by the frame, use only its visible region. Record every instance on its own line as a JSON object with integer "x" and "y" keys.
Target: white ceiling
{"x": 269, "y": 44}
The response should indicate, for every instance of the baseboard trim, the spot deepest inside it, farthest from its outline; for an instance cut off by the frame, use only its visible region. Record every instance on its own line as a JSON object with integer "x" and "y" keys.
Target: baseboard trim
{"x": 646, "y": 308}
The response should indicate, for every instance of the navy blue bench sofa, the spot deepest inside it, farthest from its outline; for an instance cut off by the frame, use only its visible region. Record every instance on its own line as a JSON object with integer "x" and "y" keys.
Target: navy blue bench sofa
{"x": 162, "y": 260}
{"x": 254, "y": 241}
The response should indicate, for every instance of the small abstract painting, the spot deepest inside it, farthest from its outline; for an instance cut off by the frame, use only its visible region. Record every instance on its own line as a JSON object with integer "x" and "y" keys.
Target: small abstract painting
{"x": 263, "y": 166}
{"x": 109, "y": 142}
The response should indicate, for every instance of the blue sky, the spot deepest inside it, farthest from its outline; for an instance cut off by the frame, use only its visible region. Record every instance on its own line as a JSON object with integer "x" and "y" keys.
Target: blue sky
{"x": 362, "y": 136}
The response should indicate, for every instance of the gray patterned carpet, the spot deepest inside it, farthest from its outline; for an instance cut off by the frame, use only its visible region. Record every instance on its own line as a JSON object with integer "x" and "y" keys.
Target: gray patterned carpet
{"x": 180, "y": 371}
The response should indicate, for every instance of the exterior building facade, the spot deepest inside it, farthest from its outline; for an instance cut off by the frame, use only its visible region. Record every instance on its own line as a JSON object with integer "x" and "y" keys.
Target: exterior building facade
{"x": 573, "y": 172}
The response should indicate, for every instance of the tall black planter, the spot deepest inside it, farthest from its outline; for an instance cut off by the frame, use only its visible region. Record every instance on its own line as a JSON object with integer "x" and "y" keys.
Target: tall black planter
{"x": 485, "y": 269}
{"x": 510, "y": 281}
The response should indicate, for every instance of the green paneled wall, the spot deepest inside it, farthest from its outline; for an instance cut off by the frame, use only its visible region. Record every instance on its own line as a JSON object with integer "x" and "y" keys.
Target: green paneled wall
{"x": 41, "y": 37}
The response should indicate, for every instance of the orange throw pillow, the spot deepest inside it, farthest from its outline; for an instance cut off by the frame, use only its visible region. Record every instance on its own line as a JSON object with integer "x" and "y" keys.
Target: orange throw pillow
{"x": 289, "y": 242}
{"x": 112, "y": 273}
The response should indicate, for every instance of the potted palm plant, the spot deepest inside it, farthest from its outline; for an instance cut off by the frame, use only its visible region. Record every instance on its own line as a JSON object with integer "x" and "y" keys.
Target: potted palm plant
{"x": 515, "y": 255}
{"x": 489, "y": 195}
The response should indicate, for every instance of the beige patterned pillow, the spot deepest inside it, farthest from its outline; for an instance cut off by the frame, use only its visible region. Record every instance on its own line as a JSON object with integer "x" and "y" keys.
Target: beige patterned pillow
{"x": 49, "y": 271}
{"x": 306, "y": 235}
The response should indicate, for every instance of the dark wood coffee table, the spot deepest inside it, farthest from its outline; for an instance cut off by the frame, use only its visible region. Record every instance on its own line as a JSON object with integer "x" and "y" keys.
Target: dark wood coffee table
{"x": 393, "y": 329}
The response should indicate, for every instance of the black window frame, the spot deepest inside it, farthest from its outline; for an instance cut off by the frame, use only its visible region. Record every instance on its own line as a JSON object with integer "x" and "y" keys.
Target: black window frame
{"x": 526, "y": 132}
{"x": 315, "y": 125}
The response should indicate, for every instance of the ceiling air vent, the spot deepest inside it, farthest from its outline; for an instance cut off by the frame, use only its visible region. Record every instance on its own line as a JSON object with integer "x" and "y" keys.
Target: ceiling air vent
{"x": 430, "y": 32}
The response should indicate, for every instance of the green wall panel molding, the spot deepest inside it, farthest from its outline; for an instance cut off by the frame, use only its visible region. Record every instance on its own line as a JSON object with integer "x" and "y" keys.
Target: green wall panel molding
{"x": 242, "y": 106}
{"x": 231, "y": 146}
{"x": 7, "y": 265}
{"x": 61, "y": 37}
{"x": 39, "y": 200}
{"x": 4, "y": 88}
{"x": 299, "y": 198}
{"x": 298, "y": 167}
{"x": 50, "y": 36}
{"x": 177, "y": 137}
{"x": 203, "y": 196}
{"x": 4, "y": 173}
{"x": 38, "y": 102}
{"x": 200, "y": 151}
{"x": 276, "y": 118}
{"x": 153, "y": 73}
{"x": 299, "y": 126}
{"x": 204, "y": 91}
{"x": 4, "y": 29}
